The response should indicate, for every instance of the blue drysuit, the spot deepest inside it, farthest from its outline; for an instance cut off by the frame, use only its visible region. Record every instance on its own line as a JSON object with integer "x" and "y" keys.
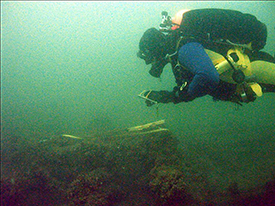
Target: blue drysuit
{"x": 206, "y": 78}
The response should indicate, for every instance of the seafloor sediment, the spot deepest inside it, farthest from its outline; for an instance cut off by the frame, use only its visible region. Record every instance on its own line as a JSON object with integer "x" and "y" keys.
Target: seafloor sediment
{"x": 116, "y": 168}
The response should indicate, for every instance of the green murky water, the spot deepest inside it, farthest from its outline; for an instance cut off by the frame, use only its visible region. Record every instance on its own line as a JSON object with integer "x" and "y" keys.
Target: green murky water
{"x": 71, "y": 67}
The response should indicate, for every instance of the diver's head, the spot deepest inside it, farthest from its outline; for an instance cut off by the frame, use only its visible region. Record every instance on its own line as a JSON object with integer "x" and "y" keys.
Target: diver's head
{"x": 152, "y": 49}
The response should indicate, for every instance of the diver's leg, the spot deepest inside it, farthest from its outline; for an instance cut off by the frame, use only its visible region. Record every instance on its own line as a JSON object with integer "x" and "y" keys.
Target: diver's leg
{"x": 261, "y": 55}
{"x": 206, "y": 78}
{"x": 268, "y": 88}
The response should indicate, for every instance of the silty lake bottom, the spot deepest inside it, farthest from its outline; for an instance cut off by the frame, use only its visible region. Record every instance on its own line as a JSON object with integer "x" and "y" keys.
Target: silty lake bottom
{"x": 145, "y": 166}
{"x": 71, "y": 68}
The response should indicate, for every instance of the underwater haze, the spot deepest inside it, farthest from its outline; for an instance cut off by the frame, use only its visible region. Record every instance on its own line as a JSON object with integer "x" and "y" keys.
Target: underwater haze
{"x": 71, "y": 68}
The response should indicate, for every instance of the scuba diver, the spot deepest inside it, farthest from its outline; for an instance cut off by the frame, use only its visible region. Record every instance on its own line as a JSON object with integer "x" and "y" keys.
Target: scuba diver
{"x": 212, "y": 52}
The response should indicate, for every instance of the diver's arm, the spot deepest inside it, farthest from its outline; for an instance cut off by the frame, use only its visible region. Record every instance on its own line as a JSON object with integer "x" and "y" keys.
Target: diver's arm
{"x": 206, "y": 78}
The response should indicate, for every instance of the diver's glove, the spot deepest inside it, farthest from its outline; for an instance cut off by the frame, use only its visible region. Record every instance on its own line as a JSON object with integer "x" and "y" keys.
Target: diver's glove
{"x": 181, "y": 95}
{"x": 162, "y": 96}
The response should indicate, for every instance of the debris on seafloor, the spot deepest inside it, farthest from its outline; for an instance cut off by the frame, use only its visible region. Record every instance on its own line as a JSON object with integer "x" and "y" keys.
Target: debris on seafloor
{"x": 71, "y": 136}
{"x": 140, "y": 165}
{"x": 149, "y": 128}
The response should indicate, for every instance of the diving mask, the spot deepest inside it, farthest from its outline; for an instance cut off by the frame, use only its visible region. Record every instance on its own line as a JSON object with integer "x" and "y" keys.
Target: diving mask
{"x": 146, "y": 56}
{"x": 157, "y": 65}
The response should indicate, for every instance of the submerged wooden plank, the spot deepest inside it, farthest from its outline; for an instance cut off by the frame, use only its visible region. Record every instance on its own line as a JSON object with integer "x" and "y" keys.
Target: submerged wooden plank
{"x": 71, "y": 136}
{"x": 153, "y": 131}
{"x": 147, "y": 126}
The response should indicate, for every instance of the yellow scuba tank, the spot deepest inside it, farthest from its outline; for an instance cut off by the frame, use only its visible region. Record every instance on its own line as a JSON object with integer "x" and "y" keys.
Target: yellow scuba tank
{"x": 236, "y": 60}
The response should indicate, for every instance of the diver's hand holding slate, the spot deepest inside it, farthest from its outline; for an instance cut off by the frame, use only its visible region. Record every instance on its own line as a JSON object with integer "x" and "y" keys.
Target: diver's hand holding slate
{"x": 162, "y": 96}
{"x": 176, "y": 96}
